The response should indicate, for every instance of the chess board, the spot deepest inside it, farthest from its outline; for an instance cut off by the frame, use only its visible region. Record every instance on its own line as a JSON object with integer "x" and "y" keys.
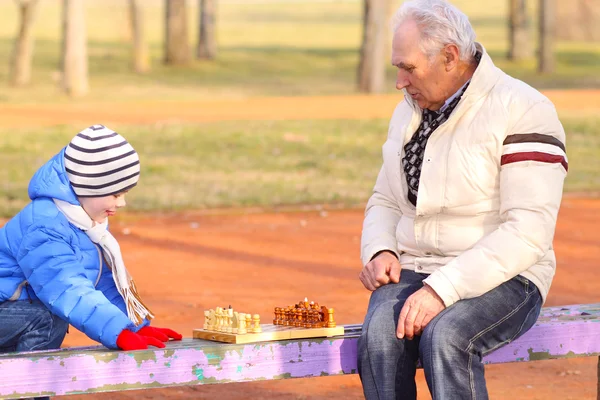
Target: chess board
{"x": 269, "y": 332}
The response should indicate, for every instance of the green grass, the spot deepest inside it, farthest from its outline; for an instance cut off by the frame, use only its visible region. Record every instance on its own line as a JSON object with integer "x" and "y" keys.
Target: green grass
{"x": 264, "y": 163}
{"x": 265, "y": 48}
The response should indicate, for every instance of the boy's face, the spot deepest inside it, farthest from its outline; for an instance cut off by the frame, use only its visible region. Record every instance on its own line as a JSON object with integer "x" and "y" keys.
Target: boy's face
{"x": 99, "y": 208}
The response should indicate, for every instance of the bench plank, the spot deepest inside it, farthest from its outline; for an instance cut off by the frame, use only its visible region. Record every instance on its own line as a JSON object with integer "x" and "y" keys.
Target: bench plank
{"x": 561, "y": 332}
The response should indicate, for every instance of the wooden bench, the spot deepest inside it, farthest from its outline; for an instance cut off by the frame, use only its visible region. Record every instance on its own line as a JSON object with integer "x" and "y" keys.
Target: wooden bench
{"x": 561, "y": 332}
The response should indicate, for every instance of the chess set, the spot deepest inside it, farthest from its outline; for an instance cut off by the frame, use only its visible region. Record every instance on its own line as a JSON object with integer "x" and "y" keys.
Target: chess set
{"x": 302, "y": 320}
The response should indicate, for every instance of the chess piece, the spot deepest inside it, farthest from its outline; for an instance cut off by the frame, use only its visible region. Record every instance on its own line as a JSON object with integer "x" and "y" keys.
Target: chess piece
{"x": 300, "y": 314}
{"x": 211, "y": 320}
{"x": 242, "y": 324}
{"x": 323, "y": 315}
{"x": 235, "y": 322}
{"x": 305, "y": 303}
{"x": 330, "y": 321}
{"x": 249, "y": 323}
{"x": 229, "y": 320}
{"x": 221, "y": 321}
{"x": 305, "y": 316}
{"x": 314, "y": 323}
{"x": 206, "y": 316}
{"x": 217, "y": 319}
{"x": 297, "y": 316}
{"x": 257, "y": 328}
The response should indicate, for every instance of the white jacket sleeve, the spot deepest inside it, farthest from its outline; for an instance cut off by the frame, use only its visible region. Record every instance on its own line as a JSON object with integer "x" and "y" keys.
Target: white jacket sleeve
{"x": 381, "y": 219}
{"x": 533, "y": 166}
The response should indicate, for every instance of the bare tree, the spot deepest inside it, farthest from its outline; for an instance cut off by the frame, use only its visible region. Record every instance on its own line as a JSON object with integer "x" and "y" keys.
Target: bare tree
{"x": 20, "y": 63}
{"x": 371, "y": 68}
{"x": 74, "y": 49}
{"x": 547, "y": 22}
{"x": 207, "y": 40}
{"x": 140, "y": 56}
{"x": 519, "y": 34}
{"x": 177, "y": 48}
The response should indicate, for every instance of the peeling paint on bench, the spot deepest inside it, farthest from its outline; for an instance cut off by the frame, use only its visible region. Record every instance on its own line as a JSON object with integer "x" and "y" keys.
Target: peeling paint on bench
{"x": 189, "y": 362}
{"x": 561, "y": 332}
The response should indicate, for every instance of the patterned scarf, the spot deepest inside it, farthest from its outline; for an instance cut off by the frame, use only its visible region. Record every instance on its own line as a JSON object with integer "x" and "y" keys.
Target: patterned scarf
{"x": 414, "y": 150}
{"x": 99, "y": 234}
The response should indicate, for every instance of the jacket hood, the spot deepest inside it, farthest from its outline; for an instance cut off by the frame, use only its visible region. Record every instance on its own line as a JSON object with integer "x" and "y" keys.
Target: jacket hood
{"x": 51, "y": 181}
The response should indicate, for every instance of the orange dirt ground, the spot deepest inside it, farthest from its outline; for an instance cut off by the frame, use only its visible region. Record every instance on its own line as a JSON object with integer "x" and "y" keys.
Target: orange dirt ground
{"x": 186, "y": 263}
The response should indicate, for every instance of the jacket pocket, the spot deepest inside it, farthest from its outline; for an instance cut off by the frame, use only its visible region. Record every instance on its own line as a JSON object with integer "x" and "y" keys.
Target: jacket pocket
{"x": 527, "y": 285}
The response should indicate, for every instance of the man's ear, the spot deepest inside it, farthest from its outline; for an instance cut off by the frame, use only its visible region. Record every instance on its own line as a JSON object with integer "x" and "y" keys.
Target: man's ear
{"x": 451, "y": 56}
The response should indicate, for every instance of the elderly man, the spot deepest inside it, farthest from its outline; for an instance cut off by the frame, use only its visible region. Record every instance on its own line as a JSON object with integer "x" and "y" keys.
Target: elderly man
{"x": 457, "y": 236}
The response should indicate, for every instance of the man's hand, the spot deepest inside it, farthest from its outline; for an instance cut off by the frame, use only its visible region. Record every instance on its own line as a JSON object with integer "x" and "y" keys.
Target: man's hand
{"x": 381, "y": 270}
{"x": 419, "y": 309}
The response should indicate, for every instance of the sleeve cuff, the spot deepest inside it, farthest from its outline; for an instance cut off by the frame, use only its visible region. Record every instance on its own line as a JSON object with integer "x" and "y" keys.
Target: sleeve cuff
{"x": 368, "y": 254}
{"x": 443, "y": 287}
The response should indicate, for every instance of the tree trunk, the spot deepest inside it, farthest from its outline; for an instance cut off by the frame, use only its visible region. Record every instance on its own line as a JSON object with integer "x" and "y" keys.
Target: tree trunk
{"x": 371, "y": 68}
{"x": 519, "y": 35}
{"x": 177, "y": 48}
{"x": 207, "y": 40}
{"x": 74, "y": 49}
{"x": 20, "y": 63}
{"x": 546, "y": 59}
{"x": 140, "y": 56}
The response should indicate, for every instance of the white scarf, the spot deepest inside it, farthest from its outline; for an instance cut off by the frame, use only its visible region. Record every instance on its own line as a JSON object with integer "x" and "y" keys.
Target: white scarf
{"x": 99, "y": 234}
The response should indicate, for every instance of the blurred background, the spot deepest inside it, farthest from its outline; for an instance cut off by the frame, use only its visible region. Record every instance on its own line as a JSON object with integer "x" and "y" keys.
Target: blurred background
{"x": 206, "y": 89}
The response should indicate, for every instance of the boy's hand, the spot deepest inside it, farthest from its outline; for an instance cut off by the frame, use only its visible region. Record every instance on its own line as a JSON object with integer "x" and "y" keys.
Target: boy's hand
{"x": 128, "y": 340}
{"x": 146, "y": 336}
{"x": 162, "y": 334}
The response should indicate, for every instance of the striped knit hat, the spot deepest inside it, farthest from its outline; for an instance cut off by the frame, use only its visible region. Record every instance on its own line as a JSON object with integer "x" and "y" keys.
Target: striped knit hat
{"x": 100, "y": 162}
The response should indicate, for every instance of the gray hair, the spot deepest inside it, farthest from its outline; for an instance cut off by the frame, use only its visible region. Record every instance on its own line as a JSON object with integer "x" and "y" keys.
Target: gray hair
{"x": 440, "y": 23}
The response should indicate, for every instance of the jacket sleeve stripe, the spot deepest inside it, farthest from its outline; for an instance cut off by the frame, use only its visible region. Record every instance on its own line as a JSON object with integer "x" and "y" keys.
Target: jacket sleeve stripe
{"x": 534, "y": 138}
{"x": 534, "y": 156}
{"x": 533, "y": 147}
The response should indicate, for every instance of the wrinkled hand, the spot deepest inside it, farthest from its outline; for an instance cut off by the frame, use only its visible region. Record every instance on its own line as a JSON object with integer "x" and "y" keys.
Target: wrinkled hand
{"x": 381, "y": 270}
{"x": 419, "y": 309}
{"x": 147, "y": 336}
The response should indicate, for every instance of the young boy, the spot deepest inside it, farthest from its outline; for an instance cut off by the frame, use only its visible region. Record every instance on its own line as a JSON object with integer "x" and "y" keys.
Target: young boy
{"x": 60, "y": 265}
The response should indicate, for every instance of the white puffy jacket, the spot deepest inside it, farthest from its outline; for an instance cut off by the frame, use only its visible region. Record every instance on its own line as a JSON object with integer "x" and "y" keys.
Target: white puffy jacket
{"x": 490, "y": 189}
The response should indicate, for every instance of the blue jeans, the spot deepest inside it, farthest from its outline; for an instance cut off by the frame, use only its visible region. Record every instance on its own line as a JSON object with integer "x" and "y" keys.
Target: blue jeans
{"x": 29, "y": 326}
{"x": 452, "y": 345}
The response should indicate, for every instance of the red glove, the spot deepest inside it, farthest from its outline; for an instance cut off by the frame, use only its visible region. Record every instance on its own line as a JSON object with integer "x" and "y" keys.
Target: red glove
{"x": 162, "y": 334}
{"x": 128, "y": 340}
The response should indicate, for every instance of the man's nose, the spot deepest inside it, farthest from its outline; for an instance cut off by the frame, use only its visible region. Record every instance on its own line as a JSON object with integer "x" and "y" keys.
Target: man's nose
{"x": 401, "y": 80}
{"x": 121, "y": 202}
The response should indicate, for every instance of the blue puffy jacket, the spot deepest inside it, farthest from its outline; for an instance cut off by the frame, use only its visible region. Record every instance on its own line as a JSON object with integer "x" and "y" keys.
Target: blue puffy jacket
{"x": 43, "y": 256}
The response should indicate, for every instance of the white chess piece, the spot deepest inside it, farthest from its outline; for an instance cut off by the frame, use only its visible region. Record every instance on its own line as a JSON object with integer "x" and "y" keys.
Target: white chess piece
{"x": 242, "y": 325}
{"x": 206, "y": 317}
{"x": 229, "y": 320}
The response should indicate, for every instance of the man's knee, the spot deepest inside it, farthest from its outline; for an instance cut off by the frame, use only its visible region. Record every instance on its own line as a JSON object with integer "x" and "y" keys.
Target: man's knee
{"x": 443, "y": 334}
{"x": 379, "y": 332}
